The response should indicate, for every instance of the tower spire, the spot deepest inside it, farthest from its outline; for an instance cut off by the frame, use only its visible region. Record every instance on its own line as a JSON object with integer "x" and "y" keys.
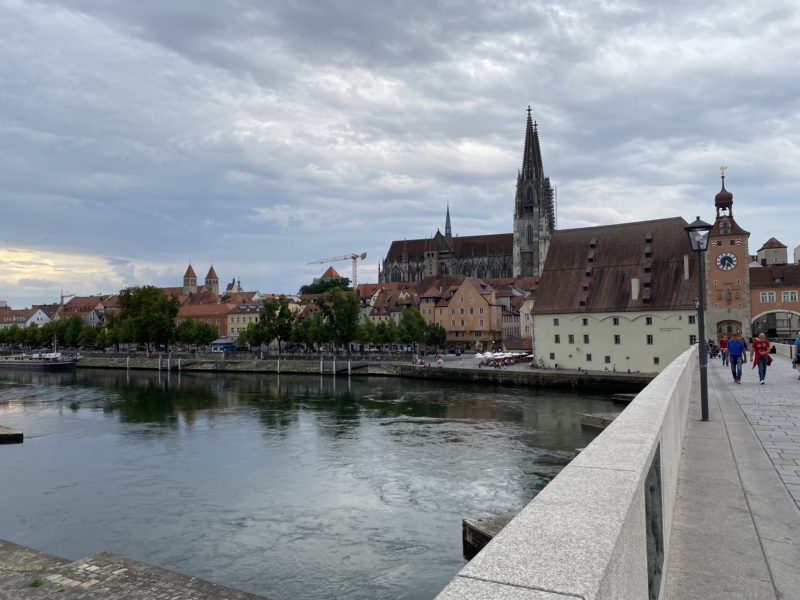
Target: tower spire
{"x": 448, "y": 231}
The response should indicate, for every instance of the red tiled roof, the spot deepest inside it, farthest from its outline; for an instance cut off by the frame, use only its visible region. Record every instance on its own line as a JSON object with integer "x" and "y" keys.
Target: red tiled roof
{"x": 764, "y": 277}
{"x": 212, "y": 274}
{"x": 331, "y": 273}
{"x": 204, "y": 310}
{"x": 190, "y": 272}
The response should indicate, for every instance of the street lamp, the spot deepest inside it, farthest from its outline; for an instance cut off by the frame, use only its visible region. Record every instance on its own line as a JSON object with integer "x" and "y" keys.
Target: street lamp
{"x": 698, "y": 237}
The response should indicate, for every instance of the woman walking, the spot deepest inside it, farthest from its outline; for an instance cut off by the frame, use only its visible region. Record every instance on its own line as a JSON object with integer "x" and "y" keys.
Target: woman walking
{"x": 761, "y": 357}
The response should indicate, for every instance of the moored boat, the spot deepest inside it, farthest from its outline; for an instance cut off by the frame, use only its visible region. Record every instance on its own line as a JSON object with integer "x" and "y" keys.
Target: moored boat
{"x": 50, "y": 361}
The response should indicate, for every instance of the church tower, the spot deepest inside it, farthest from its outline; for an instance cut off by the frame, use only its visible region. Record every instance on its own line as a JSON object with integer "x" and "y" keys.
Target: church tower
{"x": 189, "y": 281}
{"x": 212, "y": 282}
{"x": 534, "y": 212}
{"x": 727, "y": 266}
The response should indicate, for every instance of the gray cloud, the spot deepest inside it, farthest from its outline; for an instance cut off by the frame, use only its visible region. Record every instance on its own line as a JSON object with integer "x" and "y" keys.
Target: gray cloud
{"x": 258, "y": 137}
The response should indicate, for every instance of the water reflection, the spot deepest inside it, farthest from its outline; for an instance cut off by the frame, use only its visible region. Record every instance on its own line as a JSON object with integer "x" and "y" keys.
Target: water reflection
{"x": 294, "y": 487}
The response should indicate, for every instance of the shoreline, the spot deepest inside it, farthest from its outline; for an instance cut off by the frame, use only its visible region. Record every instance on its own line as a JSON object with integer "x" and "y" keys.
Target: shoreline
{"x": 453, "y": 370}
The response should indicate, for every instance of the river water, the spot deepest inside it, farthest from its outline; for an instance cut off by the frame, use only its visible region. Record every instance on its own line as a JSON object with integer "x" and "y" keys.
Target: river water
{"x": 298, "y": 487}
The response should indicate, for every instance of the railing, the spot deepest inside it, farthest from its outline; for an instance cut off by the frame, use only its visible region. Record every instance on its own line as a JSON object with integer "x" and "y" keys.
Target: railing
{"x": 601, "y": 528}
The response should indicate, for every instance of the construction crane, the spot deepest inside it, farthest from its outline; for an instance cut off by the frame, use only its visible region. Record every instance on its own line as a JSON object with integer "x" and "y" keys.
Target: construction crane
{"x": 354, "y": 257}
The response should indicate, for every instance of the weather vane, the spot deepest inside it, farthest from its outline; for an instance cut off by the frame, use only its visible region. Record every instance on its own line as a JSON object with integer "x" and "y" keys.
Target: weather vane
{"x": 722, "y": 169}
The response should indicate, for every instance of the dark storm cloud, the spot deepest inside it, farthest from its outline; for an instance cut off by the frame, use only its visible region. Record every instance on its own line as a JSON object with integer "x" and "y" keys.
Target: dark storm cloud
{"x": 260, "y": 135}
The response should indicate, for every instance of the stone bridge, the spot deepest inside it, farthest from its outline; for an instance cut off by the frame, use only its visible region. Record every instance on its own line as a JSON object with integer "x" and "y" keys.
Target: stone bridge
{"x": 663, "y": 505}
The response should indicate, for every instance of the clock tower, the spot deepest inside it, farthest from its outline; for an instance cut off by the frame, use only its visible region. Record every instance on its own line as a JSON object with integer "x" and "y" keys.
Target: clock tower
{"x": 728, "y": 272}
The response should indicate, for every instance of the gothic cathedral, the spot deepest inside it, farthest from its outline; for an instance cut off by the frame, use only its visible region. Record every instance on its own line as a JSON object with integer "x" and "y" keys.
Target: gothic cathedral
{"x": 534, "y": 210}
{"x": 518, "y": 254}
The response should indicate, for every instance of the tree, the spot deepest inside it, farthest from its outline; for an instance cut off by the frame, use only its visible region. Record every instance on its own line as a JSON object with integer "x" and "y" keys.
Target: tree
{"x": 150, "y": 312}
{"x": 324, "y": 285}
{"x": 340, "y": 311}
{"x": 386, "y": 332}
{"x": 196, "y": 333}
{"x": 435, "y": 336}
{"x": 277, "y": 321}
{"x": 412, "y": 327}
{"x": 366, "y": 333}
{"x": 72, "y": 331}
{"x": 87, "y": 336}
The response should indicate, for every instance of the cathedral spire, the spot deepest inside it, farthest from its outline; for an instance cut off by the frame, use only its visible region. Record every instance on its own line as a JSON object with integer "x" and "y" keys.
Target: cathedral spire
{"x": 532, "y": 156}
{"x": 448, "y": 231}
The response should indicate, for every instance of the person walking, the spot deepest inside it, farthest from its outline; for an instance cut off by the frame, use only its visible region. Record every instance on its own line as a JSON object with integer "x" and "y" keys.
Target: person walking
{"x": 723, "y": 349}
{"x": 761, "y": 357}
{"x": 797, "y": 354}
{"x": 737, "y": 352}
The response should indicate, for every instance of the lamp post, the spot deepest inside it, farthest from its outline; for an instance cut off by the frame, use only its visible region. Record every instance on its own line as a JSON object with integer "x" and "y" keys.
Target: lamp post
{"x": 698, "y": 237}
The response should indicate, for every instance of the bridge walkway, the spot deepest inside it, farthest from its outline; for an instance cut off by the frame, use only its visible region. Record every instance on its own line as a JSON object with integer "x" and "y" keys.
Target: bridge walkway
{"x": 736, "y": 528}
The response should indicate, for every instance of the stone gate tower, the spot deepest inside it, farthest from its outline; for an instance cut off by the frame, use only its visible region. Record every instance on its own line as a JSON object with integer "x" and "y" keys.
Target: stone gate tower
{"x": 534, "y": 210}
{"x": 728, "y": 272}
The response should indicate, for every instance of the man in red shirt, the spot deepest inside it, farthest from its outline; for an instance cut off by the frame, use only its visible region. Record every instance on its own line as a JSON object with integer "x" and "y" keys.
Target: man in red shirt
{"x": 761, "y": 357}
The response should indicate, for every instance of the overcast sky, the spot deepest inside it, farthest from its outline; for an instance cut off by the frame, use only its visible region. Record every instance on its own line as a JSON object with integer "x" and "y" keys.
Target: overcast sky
{"x": 136, "y": 137}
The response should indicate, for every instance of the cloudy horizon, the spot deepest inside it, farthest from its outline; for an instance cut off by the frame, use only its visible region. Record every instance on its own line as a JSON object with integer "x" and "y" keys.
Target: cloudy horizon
{"x": 136, "y": 138}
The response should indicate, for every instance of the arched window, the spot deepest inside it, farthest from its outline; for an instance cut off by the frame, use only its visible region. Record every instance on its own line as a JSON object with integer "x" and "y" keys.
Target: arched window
{"x": 495, "y": 271}
{"x": 481, "y": 271}
{"x": 396, "y": 275}
{"x": 443, "y": 269}
{"x": 529, "y": 235}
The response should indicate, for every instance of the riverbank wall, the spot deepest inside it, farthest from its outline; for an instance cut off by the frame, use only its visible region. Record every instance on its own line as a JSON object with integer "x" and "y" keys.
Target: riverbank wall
{"x": 595, "y": 380}
{"x": 600, "y": 530}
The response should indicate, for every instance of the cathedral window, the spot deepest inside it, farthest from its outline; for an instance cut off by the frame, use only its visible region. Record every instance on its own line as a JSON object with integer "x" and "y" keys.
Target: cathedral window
{"x": 529, "y": 235}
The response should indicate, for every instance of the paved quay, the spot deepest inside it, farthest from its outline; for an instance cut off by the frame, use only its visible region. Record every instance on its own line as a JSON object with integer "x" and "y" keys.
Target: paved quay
{"x": 736, "y": 529}
{"x": 26, "y": 574}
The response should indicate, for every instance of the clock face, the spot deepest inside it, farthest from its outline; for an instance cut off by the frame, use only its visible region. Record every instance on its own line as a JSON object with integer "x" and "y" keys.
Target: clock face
{"x": 726, "y": 261}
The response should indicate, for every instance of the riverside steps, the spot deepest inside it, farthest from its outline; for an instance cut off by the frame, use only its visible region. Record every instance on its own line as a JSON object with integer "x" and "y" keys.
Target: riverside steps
{"x": 662, "y": 505}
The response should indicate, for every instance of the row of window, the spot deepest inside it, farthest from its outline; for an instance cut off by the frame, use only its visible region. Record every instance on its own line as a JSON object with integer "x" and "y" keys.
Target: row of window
{"x": 606, "y": 358}
{"x": 471, "y": 311}
{"x": 617, "y": 339}
{"x": 453, "y": 323}
{"x": 790, "y": 296}
{"x": 615, "y": 321}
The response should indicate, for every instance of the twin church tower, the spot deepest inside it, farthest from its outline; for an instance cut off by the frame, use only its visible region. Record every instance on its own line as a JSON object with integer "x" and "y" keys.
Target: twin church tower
{"x": 518, "y": 254}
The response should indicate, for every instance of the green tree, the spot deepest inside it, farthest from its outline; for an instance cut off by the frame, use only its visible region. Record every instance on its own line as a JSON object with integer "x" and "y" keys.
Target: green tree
{"x": 366, "y": 333}
{"x": 72, "y": 331}
{"x": 435, "y": 336}
{"x": 87, "y": 336}
{"x": 339, "y": 309}
{"x": 277, "y": 321}
{"x": 324, "y": 285}
{"x": 31, "y": 336}
{"x": 386, "y": 332}
{"x": 150, "y": 312}
{"x": 196, "y": 333}
{"x": 412, "y": 327}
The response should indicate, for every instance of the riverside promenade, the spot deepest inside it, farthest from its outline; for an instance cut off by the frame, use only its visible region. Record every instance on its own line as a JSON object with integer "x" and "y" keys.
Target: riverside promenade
{"x": 736, "y": 529}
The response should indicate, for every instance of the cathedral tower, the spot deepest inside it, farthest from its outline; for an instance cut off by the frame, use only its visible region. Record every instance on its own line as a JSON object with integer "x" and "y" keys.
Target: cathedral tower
{"x": 534, "y": 212}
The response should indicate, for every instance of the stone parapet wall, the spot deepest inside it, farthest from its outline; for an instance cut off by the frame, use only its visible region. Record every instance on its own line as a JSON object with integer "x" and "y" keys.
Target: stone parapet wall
{"x": 588, "y": 533}
{"x": 560, "y": 378}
